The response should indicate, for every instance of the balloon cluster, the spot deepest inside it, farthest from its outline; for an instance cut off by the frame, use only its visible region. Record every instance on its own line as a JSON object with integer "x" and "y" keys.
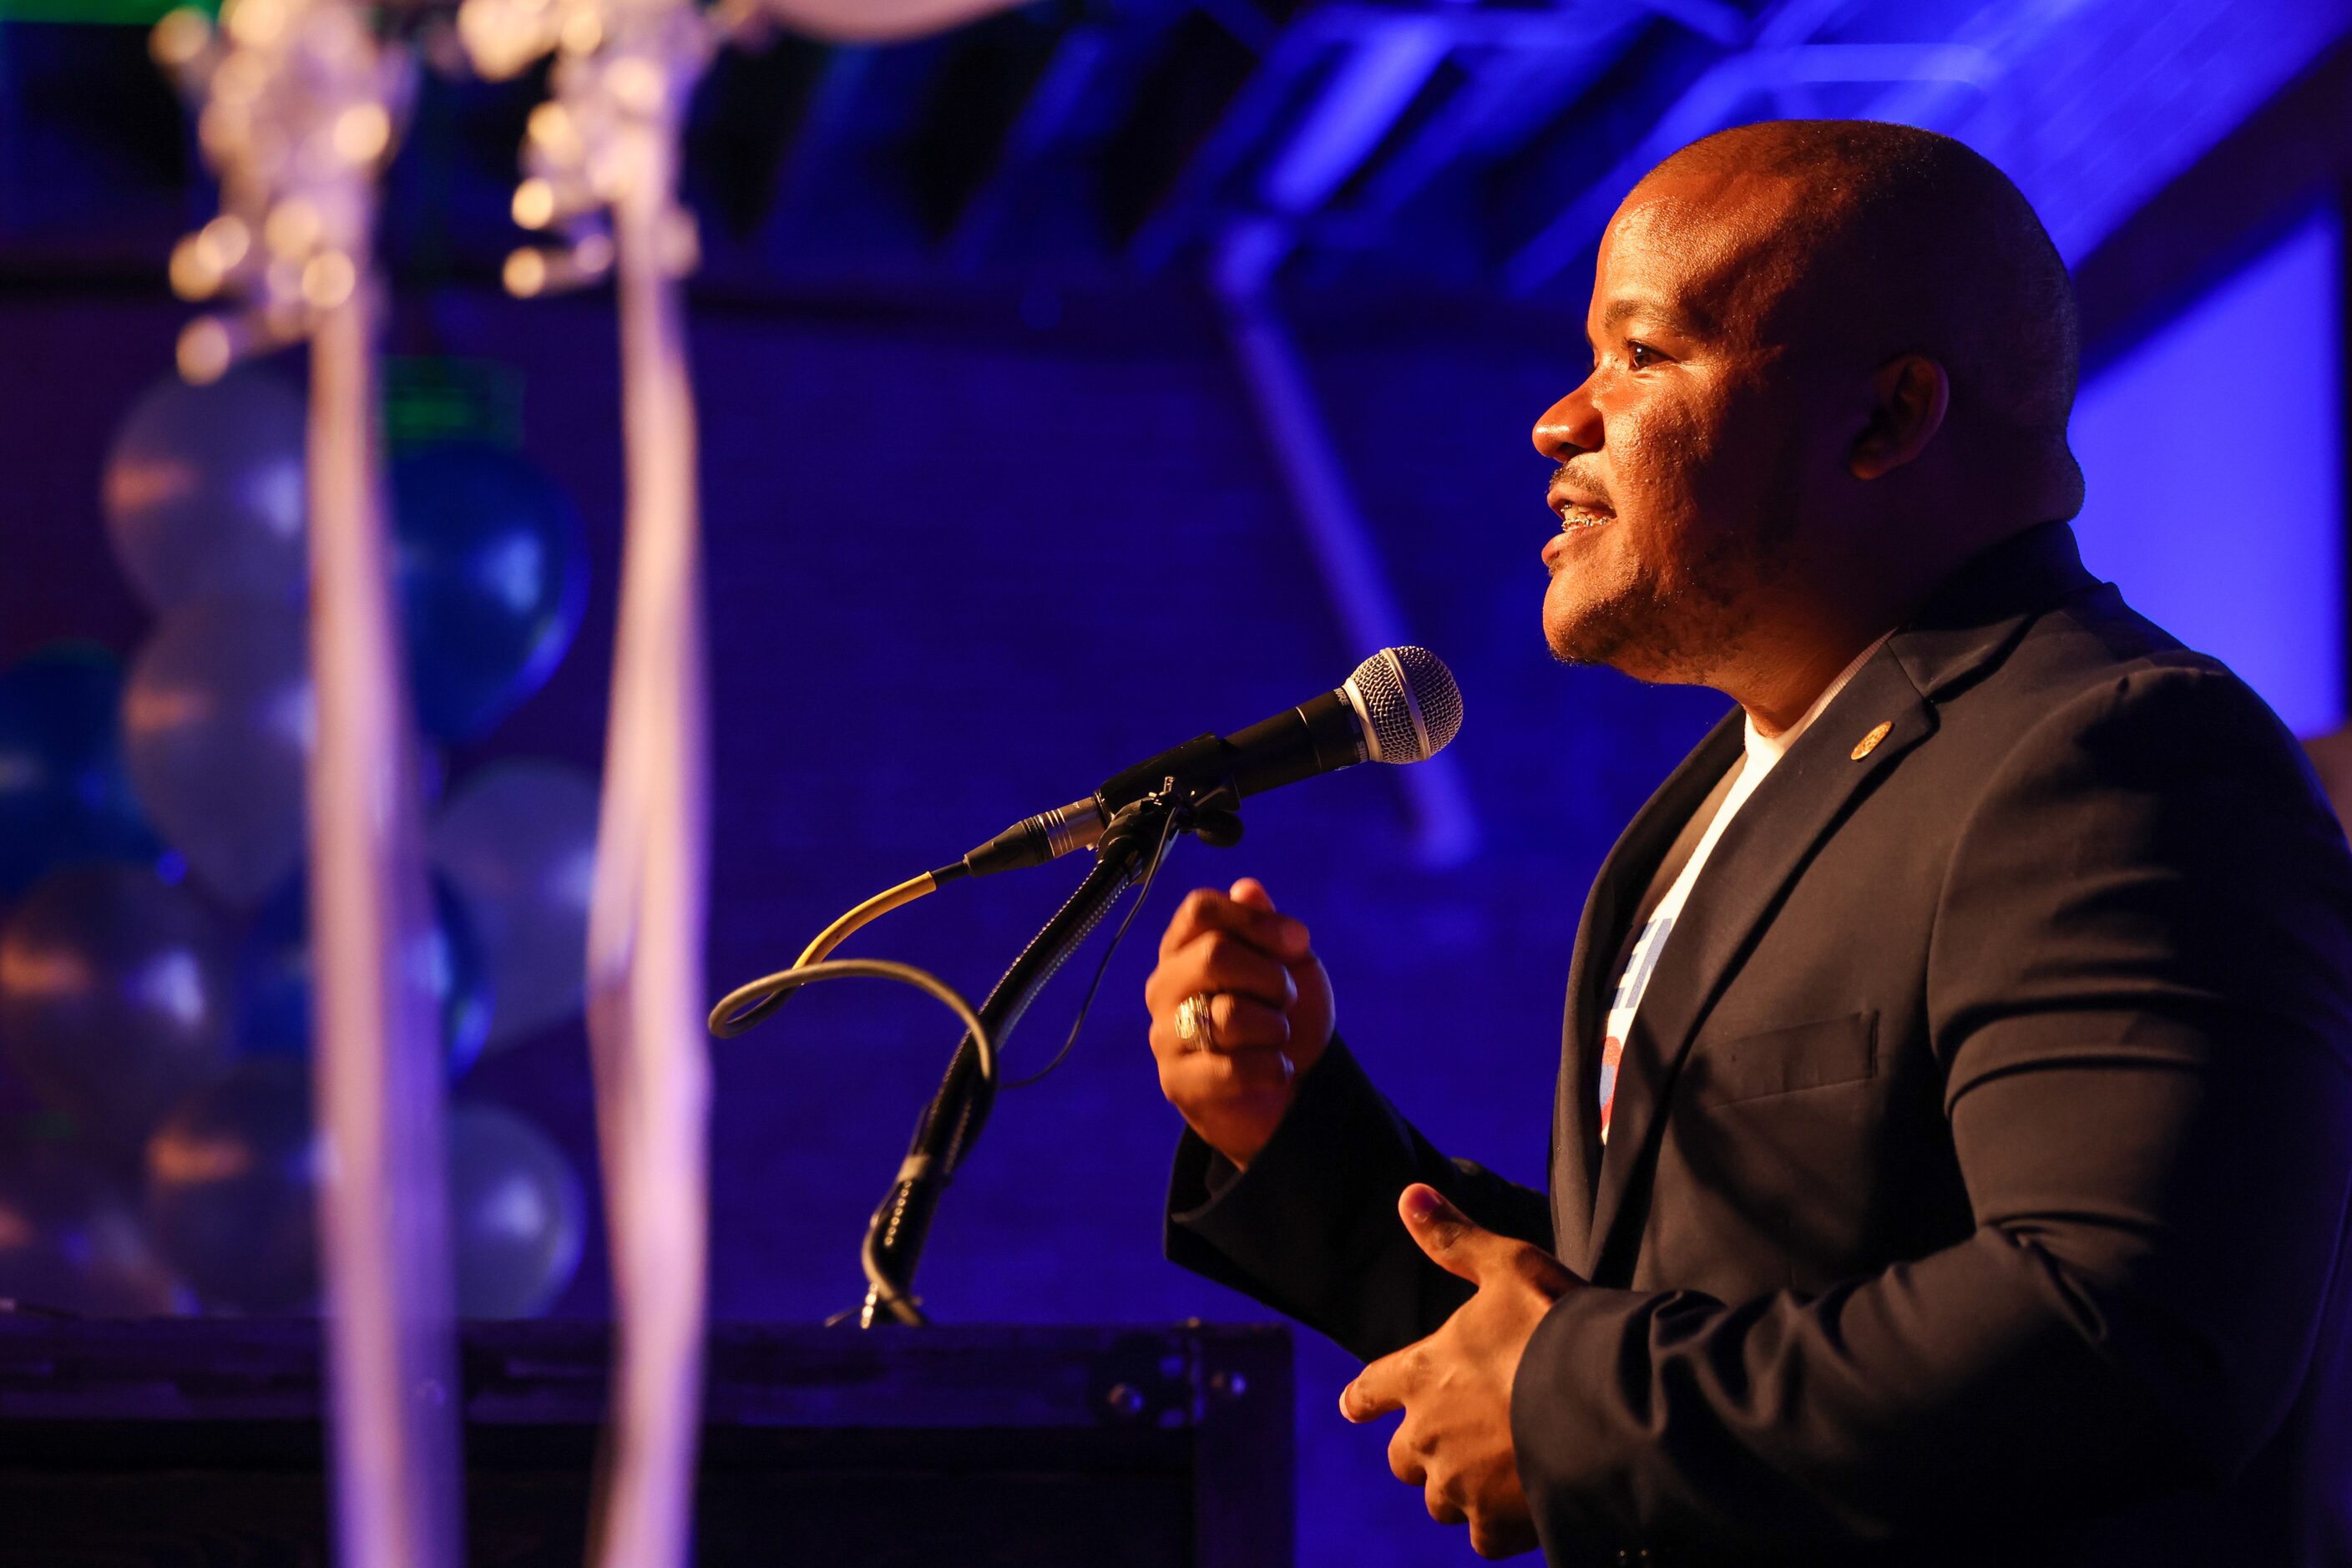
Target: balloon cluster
{"x": 155, "y": 987}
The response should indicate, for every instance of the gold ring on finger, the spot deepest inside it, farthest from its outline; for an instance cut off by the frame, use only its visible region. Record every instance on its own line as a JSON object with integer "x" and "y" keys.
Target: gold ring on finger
{"x": 1194, "y": 1025}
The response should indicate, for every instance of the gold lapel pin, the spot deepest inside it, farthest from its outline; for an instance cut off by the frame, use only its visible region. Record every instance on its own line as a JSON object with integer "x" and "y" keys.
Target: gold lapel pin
{"x": 1869, "y": 742}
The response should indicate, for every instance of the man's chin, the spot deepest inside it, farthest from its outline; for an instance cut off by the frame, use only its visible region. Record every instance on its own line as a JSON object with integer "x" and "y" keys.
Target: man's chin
{"x": 1587, "y": 637}
{"x": 1575, "y": 656}
{"x": 1608, "y": 636}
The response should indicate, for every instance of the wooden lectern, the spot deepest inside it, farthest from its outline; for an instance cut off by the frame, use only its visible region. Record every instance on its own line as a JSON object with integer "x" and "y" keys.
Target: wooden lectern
{"x": 185, "y": 1441}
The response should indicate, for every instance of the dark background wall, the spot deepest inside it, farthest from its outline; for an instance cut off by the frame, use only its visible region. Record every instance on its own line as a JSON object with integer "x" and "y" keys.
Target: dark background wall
{"x": 959, "y": 569}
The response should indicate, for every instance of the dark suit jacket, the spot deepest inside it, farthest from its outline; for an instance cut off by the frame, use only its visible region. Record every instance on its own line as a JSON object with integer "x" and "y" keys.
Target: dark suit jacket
{"x": 1978, "y": 1185}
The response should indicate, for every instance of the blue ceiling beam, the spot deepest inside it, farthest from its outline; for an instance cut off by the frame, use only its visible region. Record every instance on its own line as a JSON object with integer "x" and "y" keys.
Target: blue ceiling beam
{"x": 1715, "y": 102}
{"x": 1053, "y": 104}
{"x": 1384, "y": 73}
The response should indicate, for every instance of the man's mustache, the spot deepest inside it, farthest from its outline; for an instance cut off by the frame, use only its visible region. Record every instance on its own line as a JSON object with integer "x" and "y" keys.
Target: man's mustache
{"x": 1569, "y": 477}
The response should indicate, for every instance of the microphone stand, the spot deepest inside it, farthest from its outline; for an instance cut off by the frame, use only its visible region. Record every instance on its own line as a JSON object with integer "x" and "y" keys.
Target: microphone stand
{"x": 952, "y": 1120}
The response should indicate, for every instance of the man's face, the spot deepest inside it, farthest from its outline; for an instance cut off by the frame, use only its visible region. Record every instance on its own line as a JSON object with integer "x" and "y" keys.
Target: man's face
{"x": 1682, "y": 455}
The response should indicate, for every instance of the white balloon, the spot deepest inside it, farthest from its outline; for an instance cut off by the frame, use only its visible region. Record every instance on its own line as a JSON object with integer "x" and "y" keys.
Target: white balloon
{"x": 516, "y": 1214}
{"x": 217, "y": 725}
{"x": 116, "y": 995}
{"x": 518, "y": 840}
{"x": 874, "y": 21}
{"x": 203, "y": 490}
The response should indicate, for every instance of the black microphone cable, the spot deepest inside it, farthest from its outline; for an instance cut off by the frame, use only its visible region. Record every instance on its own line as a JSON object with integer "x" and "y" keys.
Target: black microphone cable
{"x": 1159, "y": 853}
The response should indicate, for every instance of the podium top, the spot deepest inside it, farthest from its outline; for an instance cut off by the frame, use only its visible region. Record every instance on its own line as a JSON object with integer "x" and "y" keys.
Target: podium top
{"x": 555, "y": 1373}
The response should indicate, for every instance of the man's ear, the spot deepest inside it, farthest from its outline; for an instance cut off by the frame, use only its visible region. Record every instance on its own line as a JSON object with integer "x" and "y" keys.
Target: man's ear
{"x": 1908, "y": 397}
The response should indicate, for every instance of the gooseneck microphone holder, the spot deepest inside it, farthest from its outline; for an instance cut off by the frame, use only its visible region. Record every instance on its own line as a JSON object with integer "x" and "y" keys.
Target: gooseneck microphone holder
{"x": 1399, "y": 706}
{"x": 951, "y": 1122}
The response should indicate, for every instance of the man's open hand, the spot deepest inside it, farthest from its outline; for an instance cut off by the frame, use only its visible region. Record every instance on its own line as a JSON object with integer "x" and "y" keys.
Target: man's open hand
{"x": 1455, "y": 1387}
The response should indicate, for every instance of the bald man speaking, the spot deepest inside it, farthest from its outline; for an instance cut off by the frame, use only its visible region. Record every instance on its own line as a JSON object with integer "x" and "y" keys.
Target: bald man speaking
{"x": 1954, "y": 1131}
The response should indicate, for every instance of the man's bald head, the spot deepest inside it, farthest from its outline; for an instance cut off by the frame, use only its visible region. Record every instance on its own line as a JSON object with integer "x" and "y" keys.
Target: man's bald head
{"x": 1830, "y": 362}
{"x": 1887, "y": 240}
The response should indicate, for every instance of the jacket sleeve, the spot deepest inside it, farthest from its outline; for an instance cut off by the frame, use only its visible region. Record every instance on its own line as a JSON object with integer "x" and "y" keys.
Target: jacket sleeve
{"x": 1311, "y": 1229}
{"x": 2137, "y": 990}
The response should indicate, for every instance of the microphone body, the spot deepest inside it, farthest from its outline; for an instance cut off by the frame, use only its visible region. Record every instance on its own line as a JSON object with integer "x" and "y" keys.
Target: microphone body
{"x": 1400, "y": 706}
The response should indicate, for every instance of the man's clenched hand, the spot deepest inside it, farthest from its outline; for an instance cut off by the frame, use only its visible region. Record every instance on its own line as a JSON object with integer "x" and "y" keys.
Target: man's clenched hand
{"x": 1455, "y": 1387}
{"x": 1270, "y": 1014}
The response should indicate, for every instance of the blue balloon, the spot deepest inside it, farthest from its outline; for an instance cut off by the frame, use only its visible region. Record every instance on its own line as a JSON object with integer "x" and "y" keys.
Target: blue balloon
{"x": 274, "y": 970}
{"x": 63, "y": 792}
{"x": 493, "y": 581}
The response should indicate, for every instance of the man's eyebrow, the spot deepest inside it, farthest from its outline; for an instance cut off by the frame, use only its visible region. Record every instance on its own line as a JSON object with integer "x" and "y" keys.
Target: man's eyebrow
{"x": 1624, "y": 309}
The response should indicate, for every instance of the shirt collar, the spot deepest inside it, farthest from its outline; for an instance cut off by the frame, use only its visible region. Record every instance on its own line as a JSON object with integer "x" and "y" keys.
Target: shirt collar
{"x": 1763, "y": 750}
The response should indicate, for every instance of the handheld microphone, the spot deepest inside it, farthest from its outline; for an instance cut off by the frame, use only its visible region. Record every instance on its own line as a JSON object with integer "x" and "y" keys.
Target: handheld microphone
{"x": 1400, "y": 706}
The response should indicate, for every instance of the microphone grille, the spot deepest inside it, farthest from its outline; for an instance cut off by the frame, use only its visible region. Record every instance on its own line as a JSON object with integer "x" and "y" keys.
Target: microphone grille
{"x": 1408, "y": 702}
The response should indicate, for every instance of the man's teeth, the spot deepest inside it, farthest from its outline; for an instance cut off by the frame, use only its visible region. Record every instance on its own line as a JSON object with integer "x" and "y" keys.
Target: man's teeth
{"x": 1575, "y": 517}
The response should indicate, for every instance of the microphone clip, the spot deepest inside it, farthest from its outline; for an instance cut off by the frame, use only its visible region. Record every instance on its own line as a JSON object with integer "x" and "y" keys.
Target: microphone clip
{"x": 1210, "y": 811}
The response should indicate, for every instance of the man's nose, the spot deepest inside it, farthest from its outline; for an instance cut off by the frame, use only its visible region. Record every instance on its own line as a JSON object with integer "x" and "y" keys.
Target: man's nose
{"x": 1569, "y": 427}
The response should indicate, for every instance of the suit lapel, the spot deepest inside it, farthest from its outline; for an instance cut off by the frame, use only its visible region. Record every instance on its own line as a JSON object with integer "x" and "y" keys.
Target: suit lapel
{"x": 1762, "y": 850}
{"x": 1968, "y": 626}
{"x": 1625, "y": 875}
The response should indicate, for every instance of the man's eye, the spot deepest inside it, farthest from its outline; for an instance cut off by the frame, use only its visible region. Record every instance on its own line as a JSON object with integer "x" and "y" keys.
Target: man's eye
{"x": 1641, "y": 355}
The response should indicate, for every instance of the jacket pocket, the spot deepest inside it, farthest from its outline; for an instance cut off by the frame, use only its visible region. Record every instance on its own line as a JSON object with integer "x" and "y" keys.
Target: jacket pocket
{"x": 1783, "y": 1060}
